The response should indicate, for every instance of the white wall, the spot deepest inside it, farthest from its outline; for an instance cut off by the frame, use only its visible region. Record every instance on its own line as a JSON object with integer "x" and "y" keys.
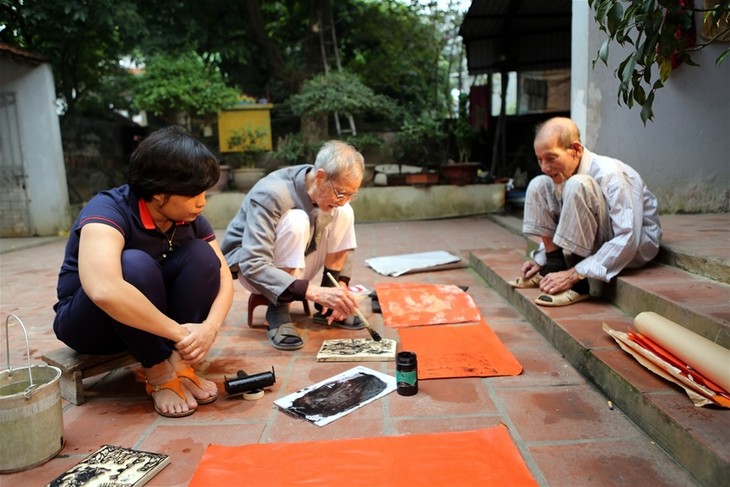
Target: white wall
{"x": 684, "y": 154}
{"x": 40, "y": 136}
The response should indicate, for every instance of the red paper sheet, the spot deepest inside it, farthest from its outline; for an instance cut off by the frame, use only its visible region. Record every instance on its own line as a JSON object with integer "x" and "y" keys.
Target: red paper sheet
{"x": 410, "y": 304}
{"x": 459, "y": 351}
{"x": 469, "y": 458}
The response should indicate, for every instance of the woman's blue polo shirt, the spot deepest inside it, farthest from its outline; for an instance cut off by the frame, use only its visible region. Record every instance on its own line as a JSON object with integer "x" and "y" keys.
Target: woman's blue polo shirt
{"x": 121, "y": 209}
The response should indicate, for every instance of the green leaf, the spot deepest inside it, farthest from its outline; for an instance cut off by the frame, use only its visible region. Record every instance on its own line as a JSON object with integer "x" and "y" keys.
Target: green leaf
{"x": 647, "y": 75}
{"x": 628, "y": 70}
{"x": 615, "y": 16}
{"x": 639, "y": 95}
{"x": 603, "y": 53}
{"x": 690, "y": 62}
{"x": 721, "y": 58}
{"x": 686, "y": 21}
{"x": 601, "y": 10}
{"x": 646, "y": 111}
{"x": 665, "y": 69}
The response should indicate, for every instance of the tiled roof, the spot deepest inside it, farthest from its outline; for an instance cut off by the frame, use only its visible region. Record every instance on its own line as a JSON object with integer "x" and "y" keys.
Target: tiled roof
{"x": 20, "y": 55}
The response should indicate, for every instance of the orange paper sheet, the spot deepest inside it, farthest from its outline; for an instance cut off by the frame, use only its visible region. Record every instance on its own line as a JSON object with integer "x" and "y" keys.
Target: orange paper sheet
{"x": 459, "y": 351}
{"x": 470, "y": 458}
{"x": 410, "y": 304}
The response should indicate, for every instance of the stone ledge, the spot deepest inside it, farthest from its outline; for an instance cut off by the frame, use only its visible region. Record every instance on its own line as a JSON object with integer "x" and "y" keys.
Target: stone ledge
{"x": 391, "y": 203}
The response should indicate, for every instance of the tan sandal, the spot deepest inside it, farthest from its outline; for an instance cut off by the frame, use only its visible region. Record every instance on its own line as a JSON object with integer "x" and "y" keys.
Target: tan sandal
{"x": 175, "y": 386}
{"x": 521, "y": 283}
{"x": 189, "y": 374}
{"x": 561, "y": 299}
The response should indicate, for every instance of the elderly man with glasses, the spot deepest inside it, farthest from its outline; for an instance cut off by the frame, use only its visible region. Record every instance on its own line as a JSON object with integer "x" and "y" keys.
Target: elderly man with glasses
{"x": 294, "y": 224}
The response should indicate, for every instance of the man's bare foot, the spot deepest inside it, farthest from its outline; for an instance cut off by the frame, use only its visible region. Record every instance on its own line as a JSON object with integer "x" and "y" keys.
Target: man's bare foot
{"x": 165, "y": 389}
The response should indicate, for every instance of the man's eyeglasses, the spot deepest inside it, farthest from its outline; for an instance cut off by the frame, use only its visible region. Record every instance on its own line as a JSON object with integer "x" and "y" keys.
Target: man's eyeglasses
{"x": 340, "y": 195}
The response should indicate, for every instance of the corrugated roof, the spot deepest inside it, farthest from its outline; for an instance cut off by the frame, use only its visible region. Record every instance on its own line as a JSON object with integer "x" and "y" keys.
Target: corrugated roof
{"x": 517, "y": 35}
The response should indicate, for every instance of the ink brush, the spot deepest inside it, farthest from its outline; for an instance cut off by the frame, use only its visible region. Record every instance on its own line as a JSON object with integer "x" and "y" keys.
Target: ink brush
{"x": 373, "y": 334}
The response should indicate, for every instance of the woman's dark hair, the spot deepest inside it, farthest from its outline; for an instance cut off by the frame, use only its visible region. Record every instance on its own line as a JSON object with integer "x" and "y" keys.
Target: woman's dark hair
{"x": 170, "y": 161}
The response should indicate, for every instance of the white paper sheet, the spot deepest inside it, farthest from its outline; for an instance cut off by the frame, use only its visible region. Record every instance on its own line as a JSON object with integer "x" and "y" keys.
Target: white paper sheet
{"x": 397, "y": 265}
{"x": 337, "y": 396}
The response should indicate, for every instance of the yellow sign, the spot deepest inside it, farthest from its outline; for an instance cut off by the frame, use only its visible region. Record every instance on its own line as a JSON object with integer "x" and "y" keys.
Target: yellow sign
{"x": 245, "y": 127}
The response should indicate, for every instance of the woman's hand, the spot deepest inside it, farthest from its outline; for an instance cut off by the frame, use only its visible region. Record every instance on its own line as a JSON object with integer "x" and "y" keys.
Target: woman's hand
{"x": 195, "y": 346}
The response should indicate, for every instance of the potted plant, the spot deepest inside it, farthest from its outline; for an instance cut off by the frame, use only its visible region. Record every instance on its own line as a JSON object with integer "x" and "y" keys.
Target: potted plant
{"x": 337, "y": 93}
{"x": 462, "y": 171}
{"x": 464, "y": 133}
{"x": 247, "y": 143}
{"x": 420, "y": 143}
{"x": 223, "y": 180}
{"x": 293, "y": 149}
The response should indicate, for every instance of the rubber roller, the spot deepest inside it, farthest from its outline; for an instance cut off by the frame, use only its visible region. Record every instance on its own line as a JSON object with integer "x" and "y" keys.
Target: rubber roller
{"x": 251, "y": 386}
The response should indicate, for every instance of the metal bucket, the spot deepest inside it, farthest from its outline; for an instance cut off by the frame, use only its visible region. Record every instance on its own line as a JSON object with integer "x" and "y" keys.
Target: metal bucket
{"x": 31, "y": 419}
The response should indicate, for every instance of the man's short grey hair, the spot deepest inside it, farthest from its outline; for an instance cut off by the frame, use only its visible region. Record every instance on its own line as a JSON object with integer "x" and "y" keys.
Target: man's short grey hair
{"x": 340, "y": 160}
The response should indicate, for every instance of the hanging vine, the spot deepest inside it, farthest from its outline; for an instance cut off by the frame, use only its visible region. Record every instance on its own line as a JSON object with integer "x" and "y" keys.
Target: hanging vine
{"x": 663, "y": 36}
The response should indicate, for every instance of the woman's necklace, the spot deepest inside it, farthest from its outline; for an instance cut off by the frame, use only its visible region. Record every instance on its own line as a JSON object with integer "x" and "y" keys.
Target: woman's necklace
{"x": 169, "y": 241}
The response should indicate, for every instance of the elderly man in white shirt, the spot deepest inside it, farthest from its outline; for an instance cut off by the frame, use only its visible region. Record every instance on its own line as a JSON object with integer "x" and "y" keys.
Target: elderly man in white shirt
{"x": 594, "y": 215}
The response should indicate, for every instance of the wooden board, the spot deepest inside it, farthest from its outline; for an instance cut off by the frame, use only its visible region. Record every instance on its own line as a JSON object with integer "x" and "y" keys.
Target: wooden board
{"x": 357, "y": 350}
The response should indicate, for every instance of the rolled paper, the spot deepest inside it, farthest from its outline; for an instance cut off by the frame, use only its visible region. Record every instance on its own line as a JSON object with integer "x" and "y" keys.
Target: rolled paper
{"x": 706, "y": 357}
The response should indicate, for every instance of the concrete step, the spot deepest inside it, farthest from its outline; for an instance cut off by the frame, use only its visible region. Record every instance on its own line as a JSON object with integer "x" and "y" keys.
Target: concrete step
{"x": 697, "y": 295}
{"x": 699, "y": 244}
{"x": 696, "y": 302}
{"x": 695, "y": 437}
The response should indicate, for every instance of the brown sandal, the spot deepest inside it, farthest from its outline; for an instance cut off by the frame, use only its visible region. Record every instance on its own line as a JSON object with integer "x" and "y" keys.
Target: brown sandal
{"x": 189, "y": 374}
{"x": 173, "y": 385}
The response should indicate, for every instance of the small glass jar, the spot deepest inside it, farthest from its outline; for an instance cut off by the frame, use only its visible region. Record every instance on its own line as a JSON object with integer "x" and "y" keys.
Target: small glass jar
{"x": 406, "y": 373}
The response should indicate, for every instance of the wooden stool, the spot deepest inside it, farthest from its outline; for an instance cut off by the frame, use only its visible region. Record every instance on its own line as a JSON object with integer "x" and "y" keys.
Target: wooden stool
{"x": 75, "y": 367}
{"x": 259, "y": 299}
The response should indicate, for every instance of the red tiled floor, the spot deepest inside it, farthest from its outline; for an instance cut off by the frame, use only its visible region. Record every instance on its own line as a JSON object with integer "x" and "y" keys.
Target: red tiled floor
{"x": 542, "y": 366}
{"x": 571, "y": 412}
{"x": 607, "y": 463}
{"x": 559, "y": 422}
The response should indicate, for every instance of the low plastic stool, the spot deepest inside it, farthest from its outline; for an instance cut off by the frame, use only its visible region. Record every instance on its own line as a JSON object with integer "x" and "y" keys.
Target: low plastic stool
{"x": 259, "y": 299}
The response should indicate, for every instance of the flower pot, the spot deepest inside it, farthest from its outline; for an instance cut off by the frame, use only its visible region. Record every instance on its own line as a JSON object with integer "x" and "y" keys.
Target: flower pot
{"x": 396, "y": 179}
{"x": 245, "y": 177}
{"x": 460, "y": 173}
{"x": 222, "y": 183}
{"x": 422, "y": 178}
{"x": 368, "y": 176}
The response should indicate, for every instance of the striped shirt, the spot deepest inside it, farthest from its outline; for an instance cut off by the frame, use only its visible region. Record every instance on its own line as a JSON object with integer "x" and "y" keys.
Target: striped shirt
{"x": 635, "y": 233}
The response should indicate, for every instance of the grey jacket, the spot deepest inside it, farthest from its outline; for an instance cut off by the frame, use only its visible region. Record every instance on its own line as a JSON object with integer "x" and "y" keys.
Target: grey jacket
{"x": 248, "y": 244}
